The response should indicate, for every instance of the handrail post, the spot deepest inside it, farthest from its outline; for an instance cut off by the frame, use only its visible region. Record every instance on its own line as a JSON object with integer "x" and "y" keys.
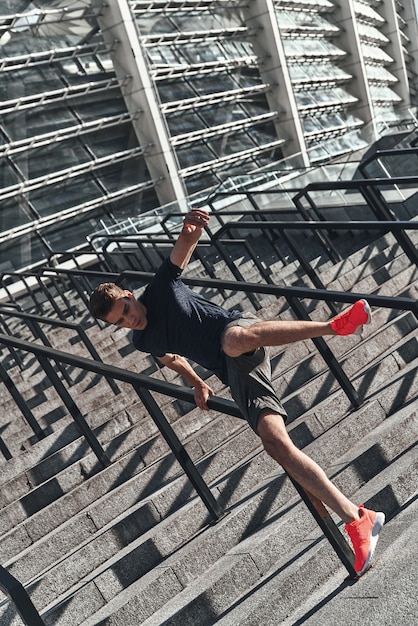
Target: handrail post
{"x": 79, "y": 419}
{"x": 180, "y": 453}
{"x": 21, "y": 403}
{"x": 329, "y": 528}
{"x": 329, "y": 357}
{"x": 381, "y": 209}
{"x": 11, "y": 587}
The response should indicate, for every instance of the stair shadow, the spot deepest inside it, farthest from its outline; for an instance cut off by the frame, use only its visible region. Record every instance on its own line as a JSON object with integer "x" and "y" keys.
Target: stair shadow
{"x": 258, "y": 587}
{"x": 324, "y": 602}
{"x": 401, "y": 397}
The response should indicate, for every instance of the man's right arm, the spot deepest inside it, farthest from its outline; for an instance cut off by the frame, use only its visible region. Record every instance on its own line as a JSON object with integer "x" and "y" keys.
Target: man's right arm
{"x": 193, "y": 225}
{"x": 202, "y": 391}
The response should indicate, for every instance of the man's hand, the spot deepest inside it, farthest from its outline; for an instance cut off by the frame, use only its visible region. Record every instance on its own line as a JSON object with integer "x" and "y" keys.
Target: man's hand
{"x": 194, "y": 222}
{"x": 179, "y": 364}
{"x": 193, "y": 225}
{"x": 202, "y": 393}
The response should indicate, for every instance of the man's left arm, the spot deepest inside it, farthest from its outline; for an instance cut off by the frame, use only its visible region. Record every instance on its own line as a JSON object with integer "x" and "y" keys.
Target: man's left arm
{"x": 177, "y": 363}
{"x": 193, "y": 225}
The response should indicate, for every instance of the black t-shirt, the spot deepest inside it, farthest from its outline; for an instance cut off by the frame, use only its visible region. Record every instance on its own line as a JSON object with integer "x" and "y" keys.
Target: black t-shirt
{"x": 181, "y": 322}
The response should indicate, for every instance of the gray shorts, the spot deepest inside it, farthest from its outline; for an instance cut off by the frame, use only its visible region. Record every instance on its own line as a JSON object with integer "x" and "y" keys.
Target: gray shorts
{"x": 249, "y": 378}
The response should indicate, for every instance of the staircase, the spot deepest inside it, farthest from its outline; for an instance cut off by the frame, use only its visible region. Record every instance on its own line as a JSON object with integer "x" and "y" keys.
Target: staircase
{"x": 132, "y": 544}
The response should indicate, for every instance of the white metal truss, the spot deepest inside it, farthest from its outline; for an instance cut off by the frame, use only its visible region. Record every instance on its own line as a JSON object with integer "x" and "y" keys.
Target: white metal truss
{"x": 59, "y": 95}
{"x": 59, "y": 176}
{"x": 15, "y": 63}
{"x": 75, "y": 211}
{"x": 221, "y": 129}
{"x": 63, "y": 134}
{"x": 199, "y": 69}
{"x": 231, "y": 95}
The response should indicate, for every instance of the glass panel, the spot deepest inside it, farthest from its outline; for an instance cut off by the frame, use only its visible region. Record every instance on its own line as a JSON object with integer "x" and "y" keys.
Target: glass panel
{"x": 298, "y": 72}
{"x": 39, "y": 29}
{"x": 262, "y": 133}
{"x": 384, "y": 94}
{"x": 198, "y": 53}
{"x": 304, "y": 99}
{"x": 37, "y": 121}
{"x": 194, "y": 155}
{"x": 202, "y": 180}
{"x": 8, "y": 175}
{"x": 366, "y": 11}
{"x": 21, "y": 251}
{"x": 223, "y": 113}
{"x": 310, "y": 125}
{"x": 213, "y": 83}
{"x": 229, "y": 144}
{"x": 380, "y": 74}
{"x": 41, "y": 162}
{"x": 370, "y": 32}
{"x": 96, "y": 105}
{"x": 77, "y": 228}
{"x": 181, "y": 122}
{"x": 12, "y": 215}
{"x": 308, "y": 21}
{"x": 52, "y": 199}
{"x": 172, "y": 90}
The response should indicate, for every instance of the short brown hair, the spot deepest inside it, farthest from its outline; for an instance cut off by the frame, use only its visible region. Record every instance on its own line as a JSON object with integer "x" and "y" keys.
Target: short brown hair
{"x": 102, "y": 299}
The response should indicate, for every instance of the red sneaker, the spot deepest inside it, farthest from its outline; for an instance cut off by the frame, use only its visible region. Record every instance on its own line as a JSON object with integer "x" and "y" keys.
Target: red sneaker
{"x": 351, "y": 321}
{"x": 364, "y": 534}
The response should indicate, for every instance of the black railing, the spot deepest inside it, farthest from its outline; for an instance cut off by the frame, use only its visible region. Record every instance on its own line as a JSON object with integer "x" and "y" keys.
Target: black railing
{"x": 386, "y": 155}
{"x": 35, "y": 322}
{"x": 143, "y": 386}
{"x": 371, "y": 191}
{"x": 293, "y": 295}
{"x": 82, "y": 280}
{"x": 12, "y": 588}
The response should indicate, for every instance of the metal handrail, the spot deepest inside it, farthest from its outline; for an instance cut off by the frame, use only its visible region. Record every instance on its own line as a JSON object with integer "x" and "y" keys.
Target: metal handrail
{"x": 34, "y": 322}
{"x": 139, "y": 382}
{"x": 12, "y": 588}
{"x": 370, "y": 190}
{"x": 384, "y": 153}
{"x": 293, "y": 295}
{"x": 143, "y": 385}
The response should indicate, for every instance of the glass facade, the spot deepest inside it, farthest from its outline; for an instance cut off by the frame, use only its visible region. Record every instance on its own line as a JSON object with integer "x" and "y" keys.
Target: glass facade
{"x": 69, "y": 156}
{"x": 75, "y": 153}
{"x": 321, "y": 84}
{"x": 377, "y": 60}
{"x": 201, "y": 58}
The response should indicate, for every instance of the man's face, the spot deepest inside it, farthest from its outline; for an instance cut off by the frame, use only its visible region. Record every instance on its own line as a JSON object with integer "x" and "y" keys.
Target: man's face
{"x": 128, "y": 312}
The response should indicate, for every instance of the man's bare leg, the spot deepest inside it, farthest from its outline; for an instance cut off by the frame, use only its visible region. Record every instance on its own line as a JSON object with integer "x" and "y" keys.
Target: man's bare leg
{"x": 238, "y": 340}
{"x": 303, "y": 469}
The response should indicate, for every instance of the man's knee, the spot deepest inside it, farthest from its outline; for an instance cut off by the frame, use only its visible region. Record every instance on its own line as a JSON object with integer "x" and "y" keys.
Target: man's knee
{"x": 274, "y": 436}
{"x": 233, "y": 341}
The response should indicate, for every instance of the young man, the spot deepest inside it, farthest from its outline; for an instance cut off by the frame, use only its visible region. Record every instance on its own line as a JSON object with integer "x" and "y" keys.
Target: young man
{"x": 175, "y": 324}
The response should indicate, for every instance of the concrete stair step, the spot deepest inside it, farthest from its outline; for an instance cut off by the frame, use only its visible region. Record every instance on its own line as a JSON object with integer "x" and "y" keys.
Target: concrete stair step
{"x": 382, "y": 597}
{"x": 84, "y": 544}
{"x": 57, "y": 500}
{"x": 236, "y": 551}
{"x": 291, "y": 380}
{"x": 49, "y": 410}
{"x": 277, "y": 596}
{"x": 34, "y": 557}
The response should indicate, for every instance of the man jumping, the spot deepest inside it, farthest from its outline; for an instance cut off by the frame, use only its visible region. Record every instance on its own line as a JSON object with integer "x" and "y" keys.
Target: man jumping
{"x": 176, "y": 325}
